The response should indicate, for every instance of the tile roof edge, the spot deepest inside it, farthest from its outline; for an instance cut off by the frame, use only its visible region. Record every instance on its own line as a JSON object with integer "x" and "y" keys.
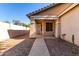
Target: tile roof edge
{"x": 42, "y": 9}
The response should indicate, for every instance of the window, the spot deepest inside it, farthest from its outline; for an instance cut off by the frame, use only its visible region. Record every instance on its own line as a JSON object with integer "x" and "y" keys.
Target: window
{"x": 49, "y": 26}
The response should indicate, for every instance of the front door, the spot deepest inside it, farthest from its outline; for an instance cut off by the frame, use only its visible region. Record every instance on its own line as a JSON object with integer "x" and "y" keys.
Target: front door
{"x": 50, "y": 28}
{"x": 39, "y": 29}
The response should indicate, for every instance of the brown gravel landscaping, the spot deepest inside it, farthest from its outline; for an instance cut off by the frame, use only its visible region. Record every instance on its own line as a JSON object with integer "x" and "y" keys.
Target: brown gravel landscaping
{"x": 19, "y": 46}
{"x": 59, "y": 47}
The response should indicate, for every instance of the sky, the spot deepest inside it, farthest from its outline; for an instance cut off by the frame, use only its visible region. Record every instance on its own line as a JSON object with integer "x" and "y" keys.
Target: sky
{"x": 18, "y": 11}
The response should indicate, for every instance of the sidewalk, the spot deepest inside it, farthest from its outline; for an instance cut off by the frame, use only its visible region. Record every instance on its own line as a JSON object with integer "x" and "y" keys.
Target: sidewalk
{"x": 39, "y": 48}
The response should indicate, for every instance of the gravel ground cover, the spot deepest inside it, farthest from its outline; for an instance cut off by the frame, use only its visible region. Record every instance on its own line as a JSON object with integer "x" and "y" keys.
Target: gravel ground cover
{"x": 58, "y": 47}
{"x": 19, "y": 46}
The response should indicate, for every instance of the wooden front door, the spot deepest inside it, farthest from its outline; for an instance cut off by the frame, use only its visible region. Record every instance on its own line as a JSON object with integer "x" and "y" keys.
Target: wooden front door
{"x": 50, "y": 28}
{"x": 39, "y": 29}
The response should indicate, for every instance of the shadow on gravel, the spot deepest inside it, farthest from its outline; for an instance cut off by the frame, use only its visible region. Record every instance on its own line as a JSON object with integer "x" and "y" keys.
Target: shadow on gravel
{"x": 21, "y": 49}
{"x": 59, "y": 47}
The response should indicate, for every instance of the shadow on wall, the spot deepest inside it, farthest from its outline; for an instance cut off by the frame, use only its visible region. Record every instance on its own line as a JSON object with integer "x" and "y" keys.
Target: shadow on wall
{"x": 21, "y": 49}
{"x": 16, "y": 33}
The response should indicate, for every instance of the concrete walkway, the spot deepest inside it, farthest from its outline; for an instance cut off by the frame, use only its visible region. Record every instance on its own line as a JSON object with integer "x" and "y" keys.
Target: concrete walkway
{"x": 39, "y": 48}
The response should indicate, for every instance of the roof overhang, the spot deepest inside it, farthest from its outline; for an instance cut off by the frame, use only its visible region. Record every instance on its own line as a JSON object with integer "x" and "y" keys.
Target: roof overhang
{"x": 43, "y": 9}
{"x": 68, "y": 9}
{"x": 51, "y": 17}
{"x": 47, "y": 17}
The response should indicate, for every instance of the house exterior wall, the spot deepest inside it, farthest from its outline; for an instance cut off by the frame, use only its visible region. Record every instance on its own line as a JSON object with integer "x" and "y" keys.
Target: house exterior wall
{"x": 52, "y": 11}
{"x": 69, "y": 22}
{"x": 33, "y": 29}
{"x": 43, "y": 24}
{"x": 55, "y": 10}
{"x": 70, "y": 25}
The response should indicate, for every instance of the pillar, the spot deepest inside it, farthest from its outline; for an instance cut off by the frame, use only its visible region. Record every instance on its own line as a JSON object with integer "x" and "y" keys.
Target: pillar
{"x": 43, "y": 27}
{"x": 33, "y": 29}
{"x": 59, "y": 28}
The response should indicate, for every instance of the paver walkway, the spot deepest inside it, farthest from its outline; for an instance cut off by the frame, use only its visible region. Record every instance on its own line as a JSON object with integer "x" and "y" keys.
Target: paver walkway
{"x": 39, "y": 48}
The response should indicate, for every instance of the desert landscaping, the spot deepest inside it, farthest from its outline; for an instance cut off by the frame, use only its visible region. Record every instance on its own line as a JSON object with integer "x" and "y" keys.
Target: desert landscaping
{"x": 18, "y": 46}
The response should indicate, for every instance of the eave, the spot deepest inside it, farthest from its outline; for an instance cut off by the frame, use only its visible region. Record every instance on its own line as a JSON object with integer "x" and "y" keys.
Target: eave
{"x": 42, "y": 9}
{"x": 52, "y": 16}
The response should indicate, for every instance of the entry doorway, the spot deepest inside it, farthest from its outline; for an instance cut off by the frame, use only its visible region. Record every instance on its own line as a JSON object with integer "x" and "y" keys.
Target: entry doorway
{"x": 39, "y": 29}
{"x": 50, "y": 28}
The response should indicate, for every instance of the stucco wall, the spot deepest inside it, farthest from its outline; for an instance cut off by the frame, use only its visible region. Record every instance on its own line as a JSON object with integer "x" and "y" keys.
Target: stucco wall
{"x": 56, "y": 10}
{"x": 70, "y": 25}
{"x": 43, "y": 24}
{"x": 33, "y": 29}
{"x": 56, "y": 28}
{"x": 7, "y": 30}
{"x": 51, "y": 11}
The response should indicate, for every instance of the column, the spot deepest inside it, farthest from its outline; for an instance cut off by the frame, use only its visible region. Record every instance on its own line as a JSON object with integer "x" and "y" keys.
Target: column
{"x": 33, "y": 29}
{"x": 43, "y": 28}
{"x": 59, "y": 28}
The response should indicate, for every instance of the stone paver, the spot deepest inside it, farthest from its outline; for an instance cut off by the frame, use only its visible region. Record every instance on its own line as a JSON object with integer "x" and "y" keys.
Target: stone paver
{"x": 39, "y": 48}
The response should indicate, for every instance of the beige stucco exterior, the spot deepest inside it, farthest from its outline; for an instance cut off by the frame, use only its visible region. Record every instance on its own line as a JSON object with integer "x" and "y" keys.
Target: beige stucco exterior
{"x": 67, "y": 24}
{"x": 42, "y": 27}
{"x": 38, "y": 27}
{"x": 35, "y": 27}
{"x": 70, "y": 25}
{"x": 56, "y": 10}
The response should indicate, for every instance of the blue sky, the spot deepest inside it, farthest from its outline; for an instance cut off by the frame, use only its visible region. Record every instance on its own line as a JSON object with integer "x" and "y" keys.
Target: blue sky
{"x": 18, "y": 11}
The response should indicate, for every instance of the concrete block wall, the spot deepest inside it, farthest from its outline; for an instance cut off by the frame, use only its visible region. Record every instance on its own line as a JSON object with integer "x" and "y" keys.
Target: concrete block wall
{"x": 9, "y": 30}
